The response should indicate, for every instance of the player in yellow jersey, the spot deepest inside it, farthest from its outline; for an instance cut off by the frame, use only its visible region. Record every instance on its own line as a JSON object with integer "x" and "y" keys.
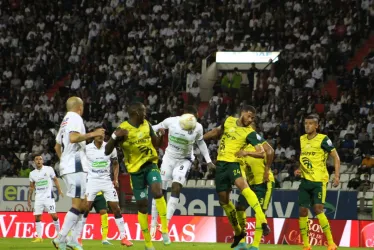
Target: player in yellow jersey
{"x": 138, "y": 141}
{"x": 254, "y": 170}
{"x": 315, "y": 149}
{"x": 236, "y": 135}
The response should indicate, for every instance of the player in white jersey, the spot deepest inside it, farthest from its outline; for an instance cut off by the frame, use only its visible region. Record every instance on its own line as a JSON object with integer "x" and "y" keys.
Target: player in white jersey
{"x": 99, "y": 181}
{"x": 41, "y": 181}
{"x": 70, "y": 146}
{"x": 177, "y": 160}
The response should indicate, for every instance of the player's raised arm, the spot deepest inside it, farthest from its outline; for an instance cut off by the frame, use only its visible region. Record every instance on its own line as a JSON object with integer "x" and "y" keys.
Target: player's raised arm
{"x": 202, "y": 145}
{"x": 328, "y": 146}
{"x": 269, "y": 152}
{"x": 76, "y": 137}
{"x": 213, "y": 134}
{"x": 119, "y": 135}
{"x": 31, "y": 191}
{"x": 58, "y": 147}
{"x": 163, "y": 125}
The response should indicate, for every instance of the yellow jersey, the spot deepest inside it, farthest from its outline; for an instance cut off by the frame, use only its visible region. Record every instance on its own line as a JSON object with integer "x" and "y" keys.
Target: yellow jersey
{"x": 138, "y": 148}
{"x": 235, "y": 138}
{"x": 313, "y": 157}
{"x": 254, "y": 168}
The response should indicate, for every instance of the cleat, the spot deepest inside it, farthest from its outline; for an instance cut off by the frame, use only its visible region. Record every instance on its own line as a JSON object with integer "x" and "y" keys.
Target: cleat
{"x": 307, "y": 248}
{"x": 37, "y": 240}
{"x": 62, "y": 246}
{"x": 126, "y": 242}
{"x": 332, "y": 247}
{"x": 166, "y": 239}
{"x": 105, "y": 242}
{"x": 153, "y": 231}
{"x": 265, "y": 229}
{"x": 237, "y": 239}
{"x": 253, "y": 248}
{"x": 80, "y": 242}
{"x": 74, "y": 246}
{"x": 241, "y": 246}
{"x": 56, "y": 243}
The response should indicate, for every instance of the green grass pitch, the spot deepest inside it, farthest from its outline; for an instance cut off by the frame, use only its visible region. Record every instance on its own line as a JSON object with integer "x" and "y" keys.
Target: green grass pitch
{"x": 21, "y": 244}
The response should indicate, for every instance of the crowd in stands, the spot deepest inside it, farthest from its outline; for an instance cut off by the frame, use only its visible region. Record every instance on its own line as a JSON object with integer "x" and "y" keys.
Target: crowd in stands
{"x": 111, "y": 53}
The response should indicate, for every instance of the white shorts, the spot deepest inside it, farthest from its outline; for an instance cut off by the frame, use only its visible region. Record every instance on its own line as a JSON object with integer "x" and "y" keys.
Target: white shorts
{"x": 48, "y": 205}
{"x": 105, "y": 186}
{"x": 75, "y": 184}
{"x": 175, "y": 170}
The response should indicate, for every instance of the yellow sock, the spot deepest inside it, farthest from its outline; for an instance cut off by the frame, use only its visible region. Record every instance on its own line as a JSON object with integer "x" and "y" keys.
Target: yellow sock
{"x": 161, "y": 209}
{"x": 252, "y": 200}
{"x": 258, "y": 234}
{"x": 304, "y": 230}
{"x": 143, "y": 221}
{"x": 104, "y": 226}
{"x": 324, "y": 223}
{"x": 231, "y": 215}
{"x": 242, "y": 219}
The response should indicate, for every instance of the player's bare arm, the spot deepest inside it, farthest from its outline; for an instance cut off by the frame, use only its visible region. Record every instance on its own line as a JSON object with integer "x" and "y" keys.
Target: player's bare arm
{"x": 213, "y": 134}
{"x": 334, "y": 154}
{"x": 119, "y": 135}
{"x": 76, "y": 137}
{"x": 58, "y": 150}
{"x": 259, "y": 153}
{"x": 269, "y": 152}
{"x": 31, "y": 191}
{"x": 57, "y": 184}
{"x": 115, "y": 173}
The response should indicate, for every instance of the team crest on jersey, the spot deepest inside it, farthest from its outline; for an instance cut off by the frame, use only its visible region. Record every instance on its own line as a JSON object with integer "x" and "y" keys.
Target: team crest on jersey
{"x": 140, "y": 135}
{"x": 232, "y": 130}
{"x": 190, "y": 132}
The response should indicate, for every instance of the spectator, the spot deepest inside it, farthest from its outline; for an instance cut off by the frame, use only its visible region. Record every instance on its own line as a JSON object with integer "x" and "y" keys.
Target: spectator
{"x": 366, "y": 165}
{"x": 4, "y": 165}
{"x": 355, "y": 183}
{"x": 365, "y": 184}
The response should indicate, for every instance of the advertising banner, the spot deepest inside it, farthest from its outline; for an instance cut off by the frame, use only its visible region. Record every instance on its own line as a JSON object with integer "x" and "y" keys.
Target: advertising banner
{"x": 367, "y": 233}
{"x": 181, "y": 228}
{"x": 14, "y": 193}
{"x": 284, "y": 204}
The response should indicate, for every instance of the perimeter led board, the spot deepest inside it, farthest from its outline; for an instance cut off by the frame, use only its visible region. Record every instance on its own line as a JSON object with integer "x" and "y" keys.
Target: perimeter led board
{"x": 246, "y": 57}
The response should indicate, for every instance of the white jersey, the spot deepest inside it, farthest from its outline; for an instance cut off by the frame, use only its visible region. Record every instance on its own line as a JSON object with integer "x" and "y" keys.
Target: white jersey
{"x": 43, "y": 183}
{"x": 98, "y": 162}
{"x": 72, "y": 153}
{"x": 181, "y": 142}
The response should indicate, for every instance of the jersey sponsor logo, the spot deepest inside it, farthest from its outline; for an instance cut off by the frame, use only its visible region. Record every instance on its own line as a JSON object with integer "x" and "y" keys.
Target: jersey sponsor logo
{"x": 42, "y": 183}
{"x": 308, "y": 153}
{"x": 178, "y": 140}
{"x": 138, "y": 141}
{"x": 99, "y": 164}
{"x": 230, "y": 136}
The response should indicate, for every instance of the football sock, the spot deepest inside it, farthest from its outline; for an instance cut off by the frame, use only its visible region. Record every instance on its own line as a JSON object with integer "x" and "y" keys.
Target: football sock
{"x": 143, "y": 221}
{"x": 324, "y": 223}
{"x": 304, "y": 230}
{"x": 154, "y": 213}
{"x": 252, "y": 200}
{"x": 77, "y": 230}
{"x": 70, "y": 220}
{"x": 104, "y": 226}
{"x": 38, "y": 226}
{"x": 121, "y": 225}
{"x": 57, "y": 225}
{"x": 242, "y": 217}
{"x": 258, "y": 234}
{"x": 172, "y": 205}
{"x": 161, "y": 208}
{"x": 231, "y": 215}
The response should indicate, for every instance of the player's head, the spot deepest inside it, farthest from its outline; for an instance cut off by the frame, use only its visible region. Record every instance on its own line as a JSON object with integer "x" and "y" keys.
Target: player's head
{"x": 137, "y": 111}
{"x": 191, "y": 110}
{"x": 98, "y": 139}
{"x": 38, "y": 160}
{"x": 311, "y": 123}
{"x": 75, "y": 104}
{"x": 247, "y": 115}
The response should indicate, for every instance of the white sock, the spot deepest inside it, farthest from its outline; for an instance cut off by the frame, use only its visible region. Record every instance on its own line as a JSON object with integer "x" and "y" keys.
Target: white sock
{"x": 121, "y": 227}
{"x": 69, "y": 222}
{"x": 154, "y": 213}
{"x": 77, "y": 230}
{"x": 57, "y": 225}
{"x": 38, "y": 226}
{"x": 172, "y": 205}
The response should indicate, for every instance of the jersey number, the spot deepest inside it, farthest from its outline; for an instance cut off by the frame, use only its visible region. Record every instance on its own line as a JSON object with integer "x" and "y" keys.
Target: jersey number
{"x": 51, "y": 208}
{"x": 181, "y": 168}
{"x": 62, "y": 143}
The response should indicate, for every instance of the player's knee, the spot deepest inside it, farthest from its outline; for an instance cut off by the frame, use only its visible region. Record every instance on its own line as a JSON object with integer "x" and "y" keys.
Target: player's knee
{"x": 318, "y": 209}
{"x": 240, "y": 208}
{"x": 303, "y": 212}
{"x": 38, "y": 218}
{"x": 176, "y": 189}
{"x": 54, "y": 217}
{"x": 142, "y": 206}
{"x": 157, "y": 193}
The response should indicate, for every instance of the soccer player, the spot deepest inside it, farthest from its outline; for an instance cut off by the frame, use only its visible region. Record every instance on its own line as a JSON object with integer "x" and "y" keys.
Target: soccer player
{"x": 177, "y": 161}
{"x": 262, "y": 184}
{"x": 70, "y": 146}
{"x": 40, "y": 180}
{"x": 236, "y": 134}
{"x": 315, "y": 149}
{"x": 138, "y": 141}
{"x": 99, "y": 181}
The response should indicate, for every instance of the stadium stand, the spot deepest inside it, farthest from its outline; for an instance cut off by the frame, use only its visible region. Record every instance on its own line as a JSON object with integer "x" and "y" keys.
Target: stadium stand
{"x": 111, "y": 53}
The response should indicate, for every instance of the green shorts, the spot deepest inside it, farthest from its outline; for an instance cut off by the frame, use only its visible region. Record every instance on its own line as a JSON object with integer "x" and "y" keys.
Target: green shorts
{"x": 146, "y": 176}
{"x": 263, "y": 191}
{"x": 311, "y": 193}
{"x": 99, "y": 203}
{"x": 226, "y": 174}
